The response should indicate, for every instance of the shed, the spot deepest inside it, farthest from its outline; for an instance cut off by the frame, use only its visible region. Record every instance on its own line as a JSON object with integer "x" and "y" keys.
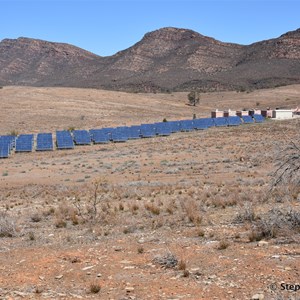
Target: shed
{"x": 282, "y": 114}
{"x": 229, "y": 113}
{"x": 242, "y": 113}
{"x": 267, "y": 113}
{"x": 217, "y": 113}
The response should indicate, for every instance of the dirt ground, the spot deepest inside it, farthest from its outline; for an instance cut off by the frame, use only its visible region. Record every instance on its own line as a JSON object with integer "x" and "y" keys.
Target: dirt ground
{"x": 189, "y": 216}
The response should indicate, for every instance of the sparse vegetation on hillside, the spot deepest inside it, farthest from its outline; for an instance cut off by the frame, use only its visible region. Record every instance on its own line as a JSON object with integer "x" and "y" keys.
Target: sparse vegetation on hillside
{"x": 221, "y": 66}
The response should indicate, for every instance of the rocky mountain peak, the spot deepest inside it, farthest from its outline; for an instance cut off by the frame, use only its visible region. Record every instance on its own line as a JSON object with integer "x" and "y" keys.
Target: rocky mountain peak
{"x": 165, "y": 59}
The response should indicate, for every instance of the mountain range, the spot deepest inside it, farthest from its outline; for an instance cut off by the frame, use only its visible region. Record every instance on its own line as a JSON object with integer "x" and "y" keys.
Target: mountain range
{"x": 167, "y": 59}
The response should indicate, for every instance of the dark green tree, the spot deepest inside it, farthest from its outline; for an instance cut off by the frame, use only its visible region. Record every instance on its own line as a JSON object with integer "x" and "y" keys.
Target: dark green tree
{"x": 193, "y": 97}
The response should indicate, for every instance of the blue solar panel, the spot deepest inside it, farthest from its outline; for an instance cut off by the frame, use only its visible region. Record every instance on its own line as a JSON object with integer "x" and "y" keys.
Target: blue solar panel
{"x": 100, "y": 136}
{"x": 209, "y": 122}
{"x": 120, "y": 134}
{"x": 148, "y": 130}
{"x": 24, "y": 143}
{"x": 187, "y": 125}
{"x": 175, "y": 126}
{"x": 234, "y": 121}
{"x": 247, "y": 119}
{"x": 108, "y": 129}
{"x": 4, "y": 151}
{"x": 258, "y": 118}
{"x": 163, "y": 128}
{"x": 200, "y": 124}
{"x": 64, "y": 140}
{"x": 222, "y": 121}
{"x": 81, "y": 137}
{"x": 44, "y": 142}
{"x": 134, "y": 132}
{"x": 7, "y": 143}
{"x": 8, "y": 140}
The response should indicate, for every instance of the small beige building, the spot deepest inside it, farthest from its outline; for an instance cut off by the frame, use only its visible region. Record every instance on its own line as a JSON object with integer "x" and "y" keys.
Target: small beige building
{"x": 229, "y": 113}
{"x": 267, "y": 113}
{"x": 242, "y": 113}
{"x": 217, "y": 113}
{"x": 282, "y": 114}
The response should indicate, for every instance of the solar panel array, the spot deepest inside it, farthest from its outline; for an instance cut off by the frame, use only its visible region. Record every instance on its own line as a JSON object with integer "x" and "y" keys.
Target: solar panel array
{"x": 222, "y": 121}
{"x": 247, "y": 119}
{"x": 187, "y": 125}
{"x": 119, "y": 134}
{"x": 234, "y": 121}
{"x": 258, "y": 118}
{"x": 99, "y": 136}
{"x": 134, "y": 132}
{"x": 174, "y": 126}
{"x": 7, "y": 143}
{"x": 24, "y": 143}
{"x": 44, "y": 142}
{"x": 4, "y": 151}
{"x": 82, "y": 137}
{"x": 163, "y": 129}
{"x": 148, "y": 130}
{"x": 66, "y": 139}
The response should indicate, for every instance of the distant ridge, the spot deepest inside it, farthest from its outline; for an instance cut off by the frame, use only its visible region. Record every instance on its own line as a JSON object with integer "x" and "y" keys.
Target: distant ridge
{"x": 168, "y": 59}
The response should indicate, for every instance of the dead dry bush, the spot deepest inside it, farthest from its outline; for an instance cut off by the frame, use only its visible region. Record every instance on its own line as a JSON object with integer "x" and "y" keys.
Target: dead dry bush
{"x": 277, "y": 221}
{"x": 191, "y": 209}
{"x": 284, "y": 193}
{"x": 153, "y": 208}
{"x": 36, "y": 217}
{"x": 7, "y": 225}
{"x": 223, "y": 244}
{"x": 93, "y": 205}
{"x": 65, "y": 213}
{"x": 168, "y": 260}
{"x": 222, "y": 202}
{"x": 288, "y": 165}
{"x": 246, "y": 213}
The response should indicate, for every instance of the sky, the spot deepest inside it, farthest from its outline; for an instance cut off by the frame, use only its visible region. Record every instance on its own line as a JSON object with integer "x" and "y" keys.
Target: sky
{"x": 105, "y": 27}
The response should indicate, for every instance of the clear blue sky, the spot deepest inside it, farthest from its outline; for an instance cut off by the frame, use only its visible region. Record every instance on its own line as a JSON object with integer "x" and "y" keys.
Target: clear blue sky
{"x": 107, "y": 26}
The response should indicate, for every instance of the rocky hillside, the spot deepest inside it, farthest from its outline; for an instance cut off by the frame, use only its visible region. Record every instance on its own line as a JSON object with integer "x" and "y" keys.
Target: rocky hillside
{"x": 165, "y": 59}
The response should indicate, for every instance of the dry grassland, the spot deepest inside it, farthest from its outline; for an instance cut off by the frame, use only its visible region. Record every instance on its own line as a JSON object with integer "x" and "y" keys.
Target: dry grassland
{"x": 189, "y": 216}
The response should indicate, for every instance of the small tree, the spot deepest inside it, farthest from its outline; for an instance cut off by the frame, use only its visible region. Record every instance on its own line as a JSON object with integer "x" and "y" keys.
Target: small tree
{"x": 194, "y": 97}
{"x": 89, "y": 206}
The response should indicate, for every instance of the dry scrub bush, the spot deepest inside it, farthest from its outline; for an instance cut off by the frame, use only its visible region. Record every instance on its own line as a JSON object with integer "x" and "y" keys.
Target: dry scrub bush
{"x": 140, "y": 250}
{"x": 169, "y": 260}
{"x": 182, "y": 264}
{"x": 95, "y": 288}
{"x": 246, "y": 214}
{"x": 7, "y": 225}
{"x": 64, "y": 213}
{"x": 36, "y": 217}
{"x": 285, "y": 221}
{"x": 223, "y": 244}
{"x": 192, "y": 211}
{"x": 91, "y": 207}
{"x": 219, "y": 201}
{"x": 155, "y": 210}
{"x": 288, "y": 165}
{"x": 171, "y": 207}
{"x": 200, "y": 232}
{"x": 255, "y": 236}
{"x": 284, "y": 193}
